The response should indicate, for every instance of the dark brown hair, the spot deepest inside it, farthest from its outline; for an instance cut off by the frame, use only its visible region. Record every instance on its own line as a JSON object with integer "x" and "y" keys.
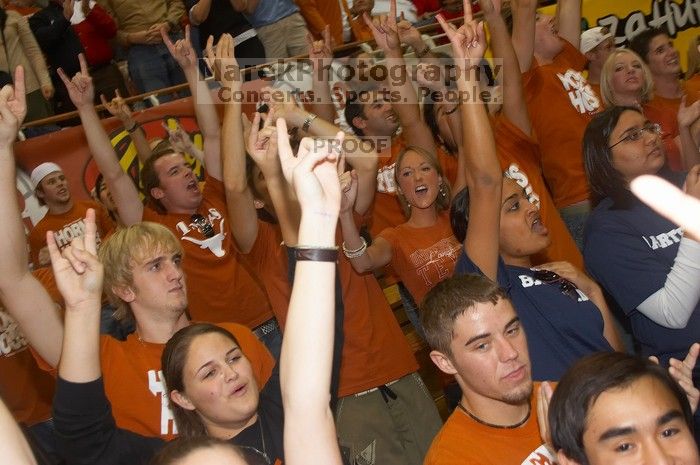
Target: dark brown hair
{"x": 173, "y": 362}
{"x": 451, "y": 298}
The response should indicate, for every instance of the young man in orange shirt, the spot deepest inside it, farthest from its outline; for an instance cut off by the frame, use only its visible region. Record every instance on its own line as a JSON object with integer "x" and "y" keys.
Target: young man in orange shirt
{"x": 222, "y": 288}
{"x": 145, "y": 280}
{"x": 560, "y": 101}
{"x": 65, "y": 215}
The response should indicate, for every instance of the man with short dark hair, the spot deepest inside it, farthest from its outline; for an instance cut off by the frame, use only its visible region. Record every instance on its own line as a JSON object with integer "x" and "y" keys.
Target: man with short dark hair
{"x": 657, "y": 50}
{"x": 613, "y": 408}
{"x": 476, "y": 336}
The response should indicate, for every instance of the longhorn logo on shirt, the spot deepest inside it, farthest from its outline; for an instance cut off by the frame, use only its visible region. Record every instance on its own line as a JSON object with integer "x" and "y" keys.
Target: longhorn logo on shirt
{"x": 582, "y": 97}
{"x": 385, "y": 179}
{"x": 214, "y": 243}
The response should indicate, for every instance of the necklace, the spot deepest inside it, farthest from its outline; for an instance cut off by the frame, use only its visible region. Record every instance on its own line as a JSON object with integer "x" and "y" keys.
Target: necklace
{"x": 491, "y": 425}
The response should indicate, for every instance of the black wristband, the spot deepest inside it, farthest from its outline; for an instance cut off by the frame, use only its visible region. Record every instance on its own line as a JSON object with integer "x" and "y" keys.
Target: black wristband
{"x": 316, "y": 255}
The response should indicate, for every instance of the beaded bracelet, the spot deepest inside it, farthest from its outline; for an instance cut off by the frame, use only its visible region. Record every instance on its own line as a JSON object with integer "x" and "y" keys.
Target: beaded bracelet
{"x": 357, "y": 252}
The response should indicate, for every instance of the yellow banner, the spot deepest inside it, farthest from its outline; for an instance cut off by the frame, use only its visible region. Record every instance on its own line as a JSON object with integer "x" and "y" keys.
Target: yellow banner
{"x": 627, "y": 18}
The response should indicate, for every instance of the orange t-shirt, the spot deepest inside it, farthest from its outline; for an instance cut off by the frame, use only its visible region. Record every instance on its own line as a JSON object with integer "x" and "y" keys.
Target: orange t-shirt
{"x": 134, "y": 381}
{"x": 561, "y": 103}
{"x": 268, "y": 259}
{"x": 519, "y": 157}
{"x": 318, "y": 14}
{"x": 386, "y": 211}
{"x": 26, "y": 390}
{"x": 422, "y": 257}
{"x": 66, "y": 227}
{"x": 375, "y": 350}
{"x": 463, "y": 440}
{"x": 664, "y": 111}
{"x": 220, "y": 286}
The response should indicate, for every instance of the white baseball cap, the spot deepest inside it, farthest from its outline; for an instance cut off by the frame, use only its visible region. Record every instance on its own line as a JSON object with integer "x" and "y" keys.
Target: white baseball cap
{"x": 593, "y": 37}
{"x": 43, "y": 170}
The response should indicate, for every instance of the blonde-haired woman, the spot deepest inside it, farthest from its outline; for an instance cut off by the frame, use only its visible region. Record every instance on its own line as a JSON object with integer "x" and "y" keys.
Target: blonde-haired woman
{"x": 625, "y": 80}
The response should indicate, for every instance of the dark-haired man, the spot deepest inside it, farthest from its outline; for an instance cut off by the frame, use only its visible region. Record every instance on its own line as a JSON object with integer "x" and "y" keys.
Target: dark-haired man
{"x": 657, "y": 50}
{"x": 476, "y": 336}
{"x": 617, "y": 409}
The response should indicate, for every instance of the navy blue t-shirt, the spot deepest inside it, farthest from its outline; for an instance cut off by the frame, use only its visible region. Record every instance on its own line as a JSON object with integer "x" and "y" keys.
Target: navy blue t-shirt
{"x": 559, "y": 329}
{"x": 630, "y": 252}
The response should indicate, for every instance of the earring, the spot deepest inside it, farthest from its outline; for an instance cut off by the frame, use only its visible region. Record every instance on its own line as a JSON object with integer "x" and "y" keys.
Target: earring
{"x": 442, "y": 191}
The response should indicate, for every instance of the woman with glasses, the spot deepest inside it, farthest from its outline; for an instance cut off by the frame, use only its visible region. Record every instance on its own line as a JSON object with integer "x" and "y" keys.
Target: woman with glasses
{"x": 562, "y": 310}
{"x": 645, "y": 263}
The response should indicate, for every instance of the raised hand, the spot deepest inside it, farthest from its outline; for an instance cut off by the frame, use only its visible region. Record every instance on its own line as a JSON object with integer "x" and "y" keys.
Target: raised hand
{"x": 222, "y": 61}
{"x": 682, "y": 372}
{"x": 469, "y": 41}
{"x": 692, "y": 182}
{"x": 77, "y": 270}
{"x": 13, "y": 109}
{"x": 687, "y": 115}
{"x": 281, "y": 101}
{"x": 348, "y": 188}
{"x": 544, "y": 396}
{"x": 313, "y": 172}
{"x": 385, "y": 29}
{"x": 408, "y": 33}
{"x": 181, "y": 50}
{"x": 80, "y": 88}
{"x": 117, "y": 106}
{"x": 261, "y": 144}
{"x": 320, "y": 51}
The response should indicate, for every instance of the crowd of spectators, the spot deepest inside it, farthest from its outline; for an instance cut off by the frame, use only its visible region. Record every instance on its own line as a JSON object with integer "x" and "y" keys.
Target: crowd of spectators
{"x": 239, "y": 316}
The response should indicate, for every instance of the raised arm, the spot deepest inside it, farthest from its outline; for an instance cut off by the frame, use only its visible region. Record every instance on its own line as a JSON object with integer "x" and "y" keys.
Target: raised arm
{"x": 321, "y": 58}
{"x": 204, "y": 108}
{"x": 124, "y": 192}
{"x": 120, "y": 109}
{"x": 307, "y": 349}
{"x": 78, "y": 275}
{"x": 483, "y": 174}
{"x": 365, "y": 258}
{"x": 524, "y": 15}
{"x": 569, "y": 21}
{"x": 688, "y": 117}
{"x": 386, "y": 33}
{"x": 359, "y": 154}
{"x": 514, "y": 107}
{"x": 36, "y": 315}
{"x": 243, "y": 218}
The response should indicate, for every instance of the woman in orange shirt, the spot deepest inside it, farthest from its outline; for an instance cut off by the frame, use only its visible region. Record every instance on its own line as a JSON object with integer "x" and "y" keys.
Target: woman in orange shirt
{"x": 422, "y": 250}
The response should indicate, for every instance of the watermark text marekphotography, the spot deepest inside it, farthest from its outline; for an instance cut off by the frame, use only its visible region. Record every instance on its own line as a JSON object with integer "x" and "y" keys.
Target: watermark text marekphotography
{"x": 365, "y": 81}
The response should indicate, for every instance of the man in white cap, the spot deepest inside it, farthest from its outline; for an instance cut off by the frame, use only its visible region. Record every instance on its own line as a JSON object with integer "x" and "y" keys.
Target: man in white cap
{"x": 596, "y": 44}
{"x": 65, "y": 216}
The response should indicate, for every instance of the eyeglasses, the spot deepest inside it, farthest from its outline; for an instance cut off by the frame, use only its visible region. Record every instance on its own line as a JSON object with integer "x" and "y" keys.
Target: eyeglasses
{"x": 636, "y": 134}
{"x": 565, "y": 286}
{"x": 203, "y": 225}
